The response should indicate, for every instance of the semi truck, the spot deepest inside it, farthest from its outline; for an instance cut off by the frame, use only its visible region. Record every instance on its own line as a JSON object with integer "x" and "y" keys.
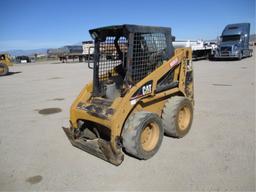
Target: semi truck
{"x": 234, "y": 42}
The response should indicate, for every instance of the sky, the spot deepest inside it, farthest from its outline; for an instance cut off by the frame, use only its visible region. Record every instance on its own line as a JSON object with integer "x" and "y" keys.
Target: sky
{"x": 33, "y": 24}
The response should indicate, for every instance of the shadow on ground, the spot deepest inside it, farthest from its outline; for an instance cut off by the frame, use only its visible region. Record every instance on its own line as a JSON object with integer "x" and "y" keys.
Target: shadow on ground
{"x": 12, "y": 73}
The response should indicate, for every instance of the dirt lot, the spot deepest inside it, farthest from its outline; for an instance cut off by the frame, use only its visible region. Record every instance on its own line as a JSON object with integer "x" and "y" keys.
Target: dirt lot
{"x": 217, "y": 154}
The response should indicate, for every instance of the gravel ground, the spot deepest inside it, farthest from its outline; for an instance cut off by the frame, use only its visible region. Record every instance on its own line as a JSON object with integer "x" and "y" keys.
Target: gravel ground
{"x": 217, "y": 154}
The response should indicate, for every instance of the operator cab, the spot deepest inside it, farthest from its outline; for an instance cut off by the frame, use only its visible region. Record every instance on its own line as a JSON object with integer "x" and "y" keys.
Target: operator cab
{"x": 125, "y": 54}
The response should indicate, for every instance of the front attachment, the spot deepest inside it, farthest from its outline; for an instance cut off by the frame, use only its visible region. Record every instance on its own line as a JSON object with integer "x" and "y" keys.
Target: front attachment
{"x": 98, "y": 147}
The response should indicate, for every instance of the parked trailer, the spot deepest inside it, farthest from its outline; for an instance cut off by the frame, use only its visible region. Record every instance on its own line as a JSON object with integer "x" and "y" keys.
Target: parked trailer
{"x": 85, "y": 52}
{"x": 234, "y": 42}
{"x": 88, "y": 49}
{"x": 67, "y": 52}
{"x": 108, "y": 50}
{"x": 200, "y": 49}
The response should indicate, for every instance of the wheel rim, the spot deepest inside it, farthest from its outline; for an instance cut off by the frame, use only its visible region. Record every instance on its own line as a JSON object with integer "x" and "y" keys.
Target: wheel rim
{"x": 150, "y": 136}
{"x": 184, "y": 117}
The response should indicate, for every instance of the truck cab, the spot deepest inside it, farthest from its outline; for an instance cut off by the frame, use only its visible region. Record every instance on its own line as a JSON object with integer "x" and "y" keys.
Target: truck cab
{"x": 234, "y": 42}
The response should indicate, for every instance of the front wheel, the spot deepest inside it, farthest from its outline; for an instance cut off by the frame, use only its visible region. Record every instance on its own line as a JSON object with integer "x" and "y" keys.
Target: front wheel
{"x": 143, "y": 134}
{"x": 4, "y": 70}
{"x": 240, "y": 56}
{"x": 177, "y": 116}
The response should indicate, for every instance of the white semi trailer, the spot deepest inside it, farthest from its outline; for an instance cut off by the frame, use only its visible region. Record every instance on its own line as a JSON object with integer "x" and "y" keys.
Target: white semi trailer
{"x": 88, "y": 49}
{"x": 200, "y": 49}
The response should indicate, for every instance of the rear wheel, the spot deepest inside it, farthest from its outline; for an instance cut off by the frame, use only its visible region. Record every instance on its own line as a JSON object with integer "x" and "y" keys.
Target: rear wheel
{"x": 143, "y": 135}
{"x": 4, "y": 70}
{"x": 177, "y": 116}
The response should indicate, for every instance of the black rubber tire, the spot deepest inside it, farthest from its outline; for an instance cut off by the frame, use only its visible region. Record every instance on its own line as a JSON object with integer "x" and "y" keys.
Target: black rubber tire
{"x": 131, "y": 135}
{"x": 170, "y": 116}
{"x": 240, "y": 56}
{"x": 6, "y": 69}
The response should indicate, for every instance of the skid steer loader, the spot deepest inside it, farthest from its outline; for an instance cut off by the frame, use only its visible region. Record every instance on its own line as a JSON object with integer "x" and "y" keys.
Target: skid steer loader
{"x": 142, "y": 89}
{"x": 5, "y": 62}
